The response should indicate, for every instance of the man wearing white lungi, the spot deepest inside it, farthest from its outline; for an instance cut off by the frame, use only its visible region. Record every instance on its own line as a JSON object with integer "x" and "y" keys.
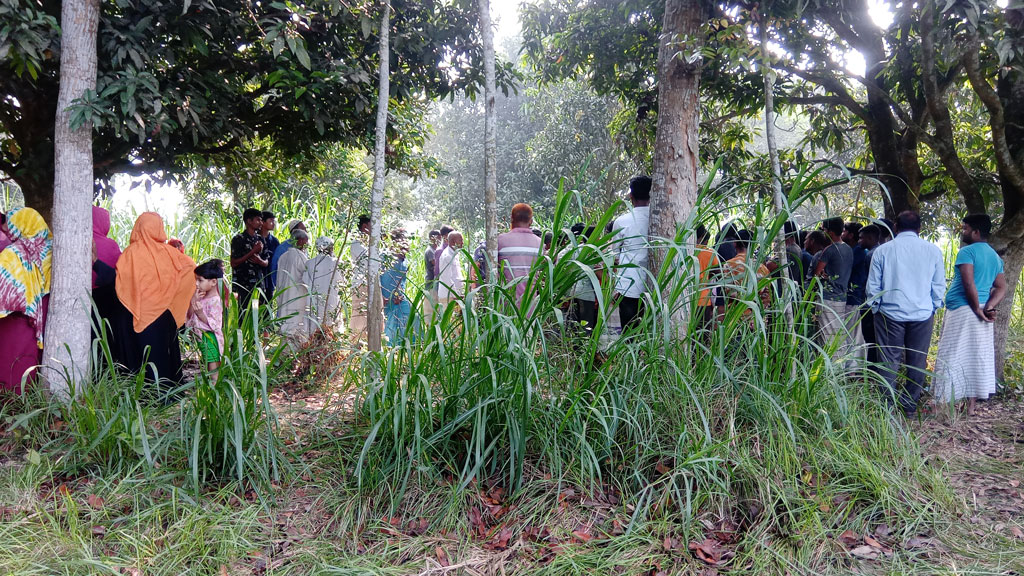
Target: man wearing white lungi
{"x": 293, "y": 303}
{"x": 965, "y": 366}
{"x": 324, "y": 281}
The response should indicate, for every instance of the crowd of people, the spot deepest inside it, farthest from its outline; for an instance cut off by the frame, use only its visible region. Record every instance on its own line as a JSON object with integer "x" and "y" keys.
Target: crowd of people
{"x": 876, "y": 289}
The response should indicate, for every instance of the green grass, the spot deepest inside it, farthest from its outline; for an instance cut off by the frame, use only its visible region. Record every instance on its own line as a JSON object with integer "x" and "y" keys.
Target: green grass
{"x": 493, "y": 418}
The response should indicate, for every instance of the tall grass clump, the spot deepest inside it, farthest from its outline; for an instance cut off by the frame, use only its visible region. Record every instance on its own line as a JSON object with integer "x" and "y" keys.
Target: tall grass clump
{"x": 228, "y": 427}
{"x": 750, "y": 416}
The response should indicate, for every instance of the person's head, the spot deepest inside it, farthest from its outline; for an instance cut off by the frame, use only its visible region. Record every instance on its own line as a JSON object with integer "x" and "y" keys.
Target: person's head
{"x": 742, "y": 240}
{"x": 253, "y": 219}
{"x": 886, "y": 228}
{"x": 816, "y": 242}
{"x": 399, "y": 243}
{"x": 177, "y": 243}
{"x": 869, "y": 236}
{"x": 445, "y": 231}
{"x": 269, "y": 222}
{"x": 548, "y": 238}
{"x": 299, "y": 238}
{"x": 363, "y": 226}
{"x": 455, "y": 240}
{"x": 833, "y": 227}
{"x": 791, "y": 232}
{"x": 522, "y": 215}
{"x": 640, "y": 190}
{"x": 908, "y": 221}
{"x": 702, "y": 235}
{"x": 727, "y": 233}
{"x": 207, "y": 275}
{"x": 577, "y": 229}
{"x": 434, "y": 237}
{"x": 325, "y": 245}
{"x": 25, "y": 224}
{"x": 975, "y": 228}
{"x": 851, "y": 233}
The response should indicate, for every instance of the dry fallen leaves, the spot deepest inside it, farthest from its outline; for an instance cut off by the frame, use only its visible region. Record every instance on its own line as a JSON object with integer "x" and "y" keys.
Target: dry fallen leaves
{"x": 866, "y": 552}
{"x": 849, "y": 538}
{"x": 711, "y": 552}
{"x": 95, "y": 502}
{"x": 442, "y": 557}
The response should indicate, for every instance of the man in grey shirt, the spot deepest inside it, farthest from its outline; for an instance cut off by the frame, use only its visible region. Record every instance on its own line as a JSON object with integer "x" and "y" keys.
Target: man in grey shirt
{"x": 430, "y": 267}
{"x": 832, "y": 265}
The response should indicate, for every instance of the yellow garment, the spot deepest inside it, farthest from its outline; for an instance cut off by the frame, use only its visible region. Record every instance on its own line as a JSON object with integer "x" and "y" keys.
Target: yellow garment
{"x": 25, "y": 267}
{"x": 152, "y": 276}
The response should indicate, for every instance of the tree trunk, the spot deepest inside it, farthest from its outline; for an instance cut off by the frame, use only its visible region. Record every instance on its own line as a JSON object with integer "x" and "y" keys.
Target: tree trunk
{"x": 778, "y": 198}
{"x": 1013, "y": 265}
{"x": 674, "y": 190}
{"x": 374, "y": 321}
{"x": 66, "y": 352}
{"x": 490, "y": 142}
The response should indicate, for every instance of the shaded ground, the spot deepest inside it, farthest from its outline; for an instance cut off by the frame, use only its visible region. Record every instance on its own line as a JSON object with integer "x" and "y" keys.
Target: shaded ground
{"x": 982, "y": 460}
{"x": 319, "y": 523}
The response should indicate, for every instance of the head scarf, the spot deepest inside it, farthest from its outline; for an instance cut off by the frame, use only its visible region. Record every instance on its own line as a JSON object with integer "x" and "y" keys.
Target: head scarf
{"x": 325, "y": 245}
{"x": 107, "y": 251}
{"x": 25, "y": 268}
{"x": 153, "y": 277}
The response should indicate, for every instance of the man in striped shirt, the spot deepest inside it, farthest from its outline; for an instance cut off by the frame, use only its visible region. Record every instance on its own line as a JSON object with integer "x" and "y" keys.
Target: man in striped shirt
{"x": 518, "y": 249}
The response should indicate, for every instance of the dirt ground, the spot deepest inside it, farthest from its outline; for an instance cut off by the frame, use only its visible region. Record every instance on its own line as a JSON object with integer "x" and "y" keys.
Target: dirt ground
{"x": 982, "y": 459}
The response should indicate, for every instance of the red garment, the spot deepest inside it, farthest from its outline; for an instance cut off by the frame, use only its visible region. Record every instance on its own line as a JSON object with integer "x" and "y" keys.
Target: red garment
{"x": 19, "y": 353}
{"x": 107, "y": 250}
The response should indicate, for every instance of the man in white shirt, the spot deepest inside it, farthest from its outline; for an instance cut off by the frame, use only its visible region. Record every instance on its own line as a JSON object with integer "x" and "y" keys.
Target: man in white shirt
{"x": 631, "y": 232}
{"x": 451, "y": 283}
{"x": 359, "y": 256}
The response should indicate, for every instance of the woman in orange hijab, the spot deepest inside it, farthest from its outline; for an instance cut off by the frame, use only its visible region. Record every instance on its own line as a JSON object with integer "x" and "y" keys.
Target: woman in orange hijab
{"x": 155, "y": 283}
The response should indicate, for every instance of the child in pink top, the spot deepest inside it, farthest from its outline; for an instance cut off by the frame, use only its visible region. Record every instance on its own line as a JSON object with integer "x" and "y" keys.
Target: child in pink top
{"x": 206, "y": 312}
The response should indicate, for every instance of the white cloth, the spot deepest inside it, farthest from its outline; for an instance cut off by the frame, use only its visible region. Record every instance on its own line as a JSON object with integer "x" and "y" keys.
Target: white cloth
{"x": 965, "y": 366}
{"x": 293, "y": 300}
{"x": 359, "y": 257}
{"x": 631, "y": 231}
{"x": 324, "y": 280}
{"x": 451, "y": 281}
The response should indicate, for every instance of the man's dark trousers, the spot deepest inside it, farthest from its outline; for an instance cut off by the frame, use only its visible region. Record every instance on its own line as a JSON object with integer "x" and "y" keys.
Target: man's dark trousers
{"x": 631, "y": 312}
{"x": 896, "y": 339}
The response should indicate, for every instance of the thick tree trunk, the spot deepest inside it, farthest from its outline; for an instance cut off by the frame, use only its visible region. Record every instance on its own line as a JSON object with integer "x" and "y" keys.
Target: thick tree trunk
{"x": 374, "y": 321}
{"x": 490, "y": 141}
{"x": 66, "y": 352}
{"x": 674, "y": 191}
{"x": 1013, "y": 265}
{"x": 778, "y": 198}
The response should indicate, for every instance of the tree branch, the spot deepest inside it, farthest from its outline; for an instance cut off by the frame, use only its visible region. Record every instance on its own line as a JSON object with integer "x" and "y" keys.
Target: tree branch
{"x": 1008, "y": 168}
{"x": 832, "y": 85}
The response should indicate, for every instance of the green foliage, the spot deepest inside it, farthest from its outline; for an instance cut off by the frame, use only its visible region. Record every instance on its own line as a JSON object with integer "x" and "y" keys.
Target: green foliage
{"x": 548, "y": 132}
{"x": 201, "y": 78}
{"x": 228, "y": 427}
{"x": 492, "y": 389}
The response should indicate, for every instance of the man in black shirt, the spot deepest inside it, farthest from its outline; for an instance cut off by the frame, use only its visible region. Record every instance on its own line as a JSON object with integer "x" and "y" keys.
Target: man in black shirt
{"x": 247, "y": 262}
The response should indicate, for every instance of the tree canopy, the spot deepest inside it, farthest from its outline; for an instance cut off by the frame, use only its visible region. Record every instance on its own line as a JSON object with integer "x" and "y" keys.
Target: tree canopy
{"x": 199, "y": 77}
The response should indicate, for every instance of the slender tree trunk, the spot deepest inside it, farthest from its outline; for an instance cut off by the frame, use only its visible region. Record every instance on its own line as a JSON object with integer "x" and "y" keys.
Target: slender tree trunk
{"x": 490, "y": 141}
{"x": 66, "y": 352}
{"x": 374, "y": 320}
{"x": 778, "y": 198}
{"x": 674, "y": 191}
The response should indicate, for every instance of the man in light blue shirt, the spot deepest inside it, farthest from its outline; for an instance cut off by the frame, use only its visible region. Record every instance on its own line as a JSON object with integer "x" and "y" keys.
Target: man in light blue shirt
{"x": 906, "y": 285}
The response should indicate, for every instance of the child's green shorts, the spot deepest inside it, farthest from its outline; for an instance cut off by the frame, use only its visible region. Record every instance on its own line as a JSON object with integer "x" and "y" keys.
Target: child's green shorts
{"x": 209, "y": 348}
